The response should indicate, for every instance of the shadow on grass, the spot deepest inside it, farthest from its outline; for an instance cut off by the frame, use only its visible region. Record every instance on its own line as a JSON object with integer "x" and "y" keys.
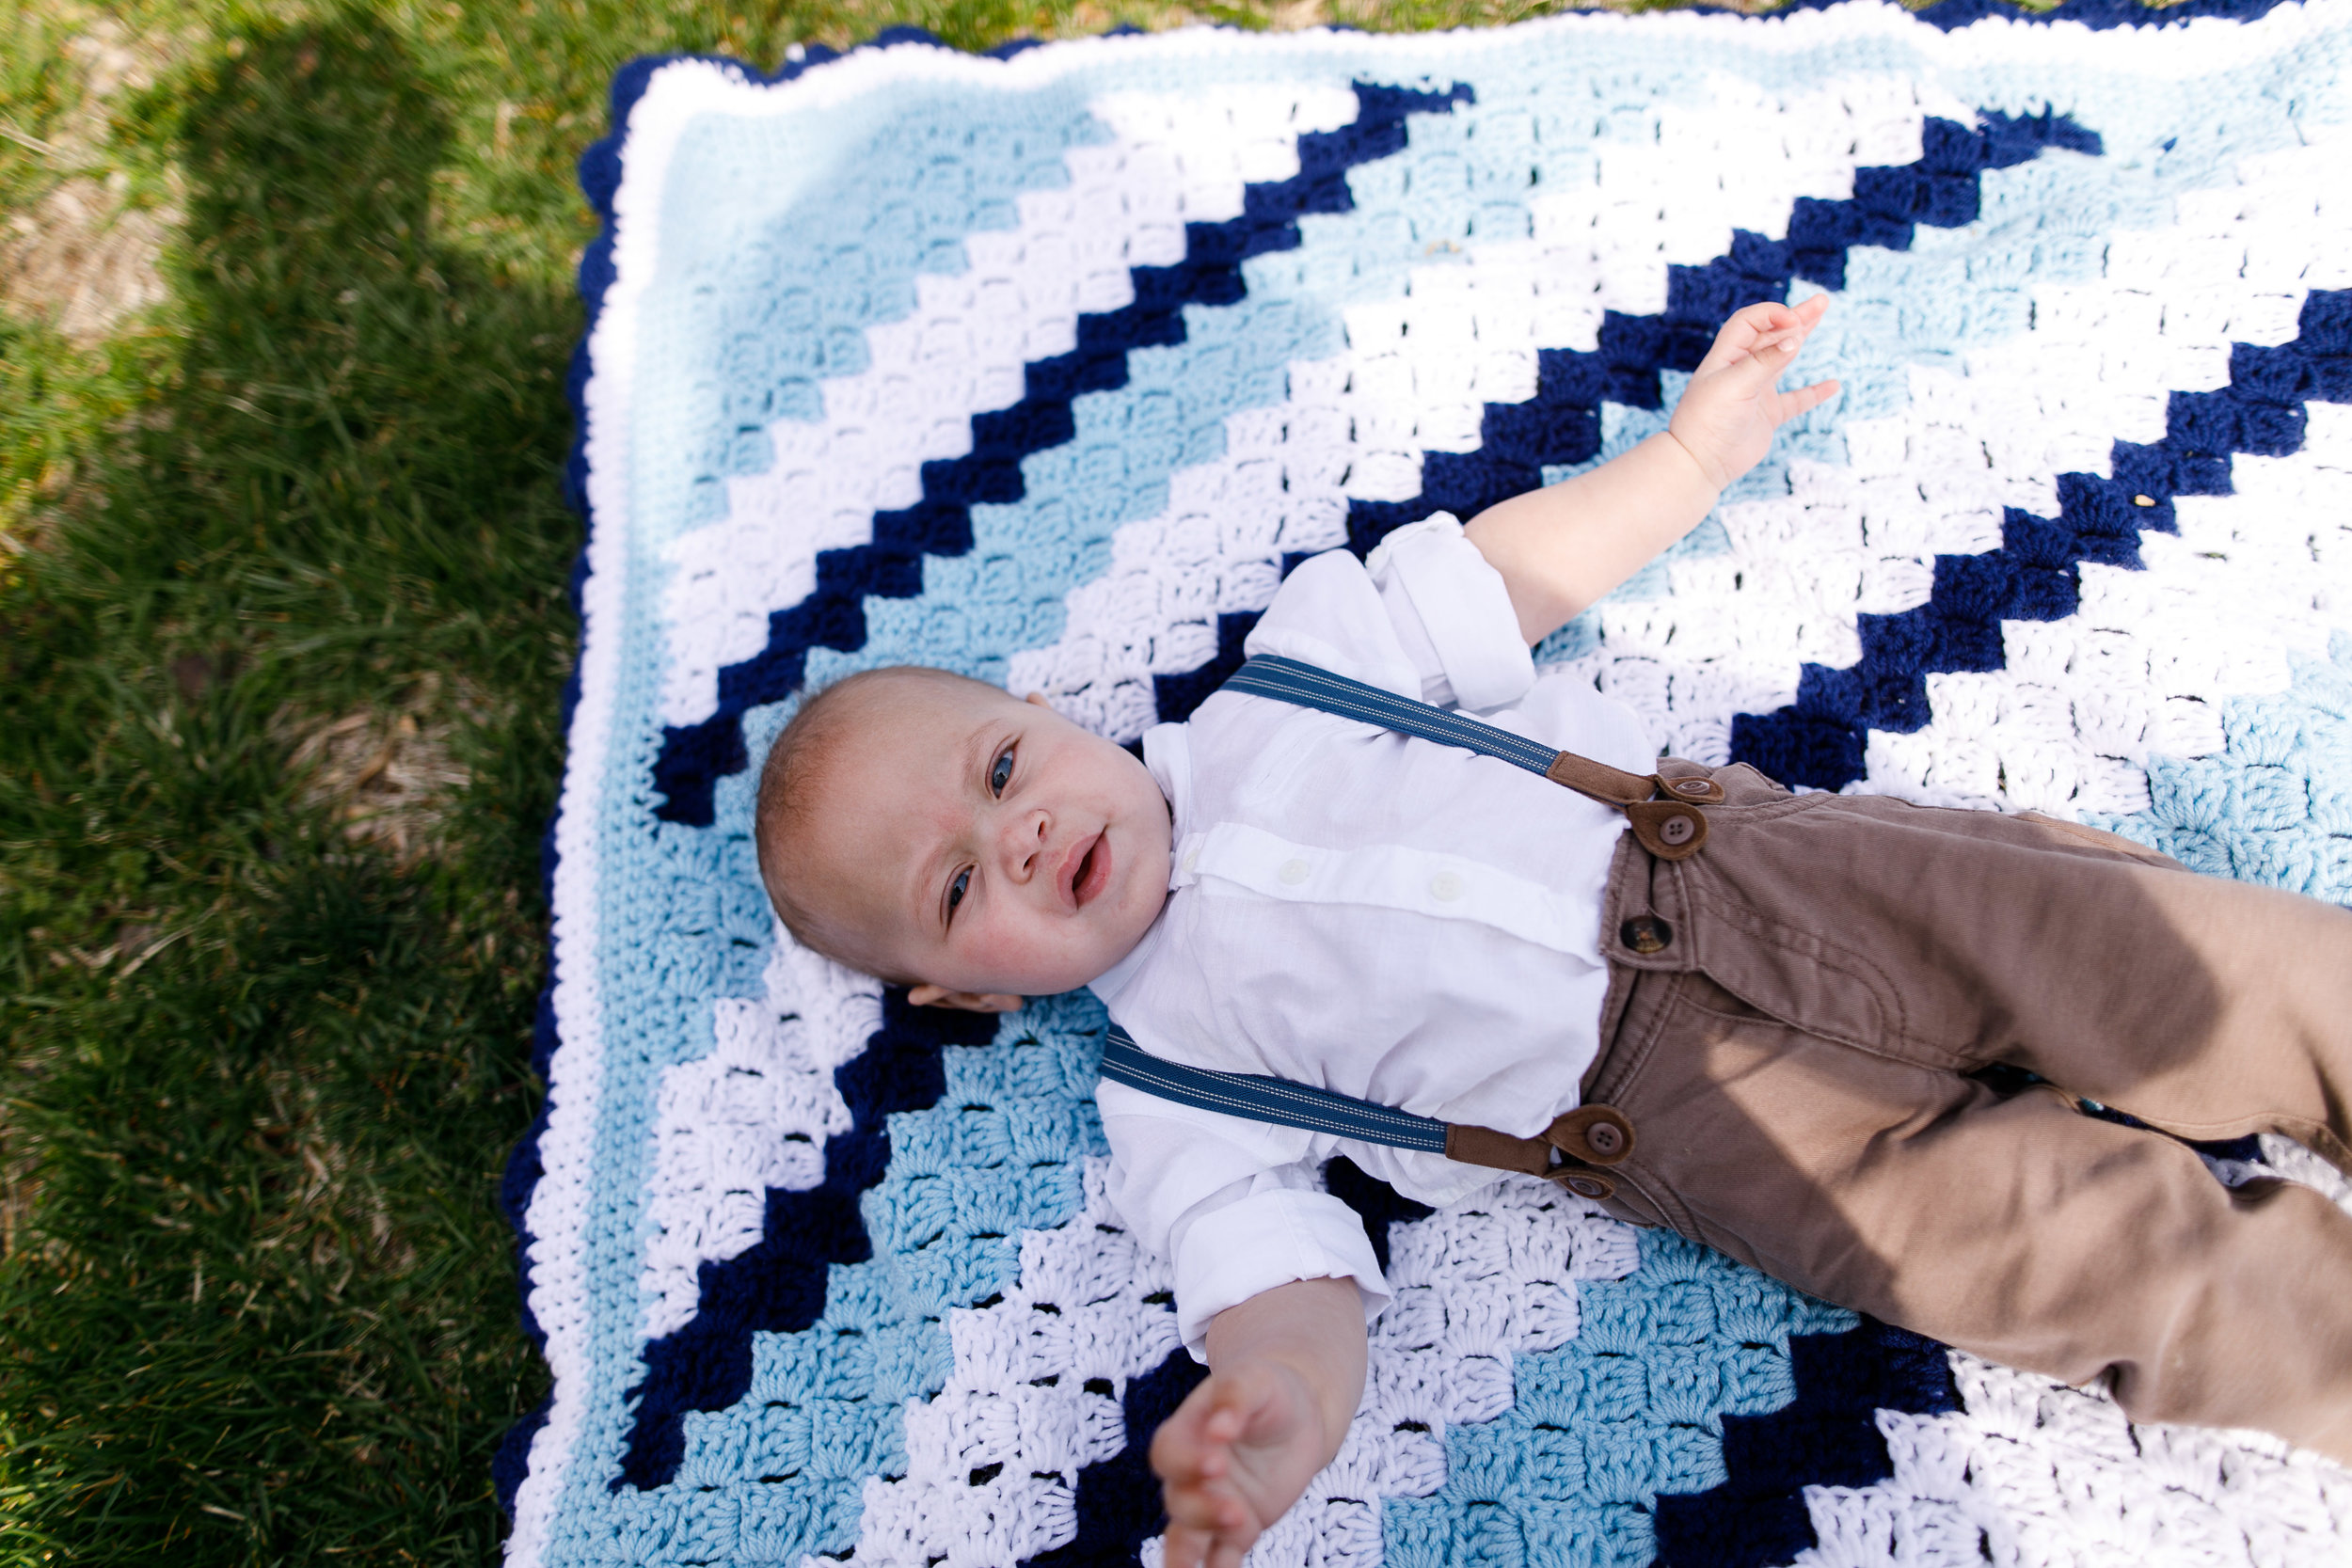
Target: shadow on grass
{"x": 261, "y": 1073}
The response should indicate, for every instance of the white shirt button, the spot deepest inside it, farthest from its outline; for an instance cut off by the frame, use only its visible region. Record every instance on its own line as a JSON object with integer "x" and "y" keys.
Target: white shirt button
{"x": 1292, "y": 873}
{"x": 1192, "y": 858}
{"x": 1445, "y": 886}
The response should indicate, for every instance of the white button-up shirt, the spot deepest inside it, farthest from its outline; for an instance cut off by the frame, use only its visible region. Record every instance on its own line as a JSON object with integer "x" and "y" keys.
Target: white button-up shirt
{"x": 1395, "y": 919}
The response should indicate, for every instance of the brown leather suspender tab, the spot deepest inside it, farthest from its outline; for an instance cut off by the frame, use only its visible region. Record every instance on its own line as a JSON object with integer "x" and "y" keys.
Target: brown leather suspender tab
{"x": 1663, "y": 812}
{"x": 1610, "y": 785}
{"x": 1668, "y": 829}
{"x": 1597, "y": 1135}
{"x": 1588, "y": 1136}
{"x": 1484, "y": 1146}
{"x": 1694, "y": 788}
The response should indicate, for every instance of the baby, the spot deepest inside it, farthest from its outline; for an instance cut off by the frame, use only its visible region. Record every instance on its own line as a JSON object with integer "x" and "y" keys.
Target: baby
{"x": 1783, "y": 1032}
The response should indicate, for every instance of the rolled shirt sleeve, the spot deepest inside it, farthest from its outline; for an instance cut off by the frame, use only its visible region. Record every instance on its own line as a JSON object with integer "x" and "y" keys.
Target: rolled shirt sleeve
{"x": 1273, "y": 1230}
{"x": 1452, "y": 615}
{"x": 1234, "y": 1204}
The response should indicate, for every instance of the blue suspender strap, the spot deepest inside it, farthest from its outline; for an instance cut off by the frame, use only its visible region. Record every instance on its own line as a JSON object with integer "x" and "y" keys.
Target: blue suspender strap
{"x": 1659, "y": 810}
{"x": 1286, "y": 680}
{"x": 1274, "y": 1099}
{"x": 1588, "y": 1136}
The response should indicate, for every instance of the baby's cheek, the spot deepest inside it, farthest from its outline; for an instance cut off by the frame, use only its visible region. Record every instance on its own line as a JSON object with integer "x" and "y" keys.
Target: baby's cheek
{"x": 1041, "y": 957}
{"x": 1013, "y": 945}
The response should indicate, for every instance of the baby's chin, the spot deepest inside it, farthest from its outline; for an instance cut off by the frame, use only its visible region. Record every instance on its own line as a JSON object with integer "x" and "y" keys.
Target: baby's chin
{"x": 1082, "y": 963}
{"x": 1073, "y": 974}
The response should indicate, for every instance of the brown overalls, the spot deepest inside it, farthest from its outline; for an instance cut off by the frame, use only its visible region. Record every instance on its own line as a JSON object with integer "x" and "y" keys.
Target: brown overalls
{"x": 1793, "y": 1013}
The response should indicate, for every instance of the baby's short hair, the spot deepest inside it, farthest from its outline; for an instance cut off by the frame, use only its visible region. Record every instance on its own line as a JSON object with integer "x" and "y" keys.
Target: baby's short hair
{"x": 784, "y": 815}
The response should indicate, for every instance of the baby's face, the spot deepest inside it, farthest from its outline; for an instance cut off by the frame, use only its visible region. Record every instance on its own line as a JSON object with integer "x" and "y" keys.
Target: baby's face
{"x": 988, "y": 845}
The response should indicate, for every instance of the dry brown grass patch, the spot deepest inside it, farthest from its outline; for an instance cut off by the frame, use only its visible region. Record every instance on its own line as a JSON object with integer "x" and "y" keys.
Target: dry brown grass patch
{"x": 82, "y": 258}
{"x": 385, "y": 776}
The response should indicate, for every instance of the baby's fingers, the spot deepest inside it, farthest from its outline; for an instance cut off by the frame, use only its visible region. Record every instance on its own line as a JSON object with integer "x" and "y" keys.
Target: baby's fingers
{"x": 1749, "y": 327}
{"x": 1755, "y": 329}
{"x": 1753, "y": 371}
{"x": 1187, "y": 1549}
{"x": 1210, "y": 1507}
{"x": 1207, "y": 1525}
{"x": 1806, "y": 398}
{"x": 1197, "y": 1442}
{"x": 1184, "y": 1548}
{"x": 1741, "y": 332}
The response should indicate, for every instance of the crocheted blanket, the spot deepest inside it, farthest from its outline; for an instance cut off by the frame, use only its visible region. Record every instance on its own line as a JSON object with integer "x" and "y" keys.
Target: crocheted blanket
{"x": 1045, "y": 367}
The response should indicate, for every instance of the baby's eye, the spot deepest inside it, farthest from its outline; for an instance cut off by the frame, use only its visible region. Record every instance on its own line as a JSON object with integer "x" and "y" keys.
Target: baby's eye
{"x": 955, "y": 889}
{"x": 1001, "y": 774}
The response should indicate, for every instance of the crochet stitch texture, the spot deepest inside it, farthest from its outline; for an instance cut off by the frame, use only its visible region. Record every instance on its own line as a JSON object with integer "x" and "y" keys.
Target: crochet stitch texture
{"x": 1047, "y": 367}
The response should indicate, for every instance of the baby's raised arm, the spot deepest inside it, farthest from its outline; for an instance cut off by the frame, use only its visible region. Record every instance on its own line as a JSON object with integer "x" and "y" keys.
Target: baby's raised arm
{"x": 1561, "y": 547}
{"x": 1286, "y": 1372}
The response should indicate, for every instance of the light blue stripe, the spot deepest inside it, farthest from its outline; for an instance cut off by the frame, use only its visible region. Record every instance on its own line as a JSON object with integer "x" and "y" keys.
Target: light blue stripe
{"x": 1631, "y": 1407}
{"x": 2274, "y": 806}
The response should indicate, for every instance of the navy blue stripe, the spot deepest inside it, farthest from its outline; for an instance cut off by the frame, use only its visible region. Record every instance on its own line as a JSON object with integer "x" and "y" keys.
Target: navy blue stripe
{"x": 2098, "y": 15}
{"x": 1256, "y": 1098}
{"x": 1827, "y": 1435}
{"x": 694, "y": 757}
{"x": 1821, "y": 738}
{"x": 1118, "y": 1500}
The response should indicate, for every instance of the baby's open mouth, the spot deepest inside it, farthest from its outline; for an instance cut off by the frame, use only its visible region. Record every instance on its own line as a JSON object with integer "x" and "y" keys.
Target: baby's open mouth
{"x": 1093, "y": 871}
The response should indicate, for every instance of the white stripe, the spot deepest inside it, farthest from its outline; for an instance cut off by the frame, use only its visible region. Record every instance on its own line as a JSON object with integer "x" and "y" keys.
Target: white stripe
{"x": 2032, "y": 1472}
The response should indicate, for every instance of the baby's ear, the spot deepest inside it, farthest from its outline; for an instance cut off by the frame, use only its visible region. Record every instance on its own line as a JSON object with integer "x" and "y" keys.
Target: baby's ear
{"x": 968, "y": 1001}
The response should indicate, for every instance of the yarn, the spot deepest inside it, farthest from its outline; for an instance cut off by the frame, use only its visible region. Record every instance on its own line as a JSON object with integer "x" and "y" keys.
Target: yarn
{"x": 1047, "y": 367}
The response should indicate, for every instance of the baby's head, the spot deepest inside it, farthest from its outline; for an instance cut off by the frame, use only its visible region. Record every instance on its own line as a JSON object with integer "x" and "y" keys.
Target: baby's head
{"x": 935, "y": 832}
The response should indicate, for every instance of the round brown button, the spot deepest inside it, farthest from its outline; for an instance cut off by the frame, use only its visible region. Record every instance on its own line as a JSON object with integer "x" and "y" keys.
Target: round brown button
{"x": 1645, "y": 933}
{"x": 1678, "y": 829}
{"x": 1692, "y": 786}
{"x": 1593, "y": 1187}
{"x": 1604, "y": 1139}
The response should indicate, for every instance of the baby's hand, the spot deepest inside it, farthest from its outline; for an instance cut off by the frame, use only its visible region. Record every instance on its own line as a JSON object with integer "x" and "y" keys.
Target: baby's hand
{"x": 1729, "y": 411}
{"x": 1232, "y": 1458}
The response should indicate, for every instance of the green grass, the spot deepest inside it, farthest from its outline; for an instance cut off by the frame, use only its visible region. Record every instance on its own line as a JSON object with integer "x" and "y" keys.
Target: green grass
{"x": 258, "y": 1305}
{"x": 258, "y": 1076}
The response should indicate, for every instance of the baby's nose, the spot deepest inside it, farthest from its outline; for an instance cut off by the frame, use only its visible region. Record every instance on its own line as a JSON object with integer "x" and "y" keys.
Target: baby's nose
{"x": 1025, "y": 842}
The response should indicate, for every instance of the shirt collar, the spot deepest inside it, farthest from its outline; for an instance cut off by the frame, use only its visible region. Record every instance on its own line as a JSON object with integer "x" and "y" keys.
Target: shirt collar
{"x": 1168, "y": 753}
{"x": 1107, "y": 985}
